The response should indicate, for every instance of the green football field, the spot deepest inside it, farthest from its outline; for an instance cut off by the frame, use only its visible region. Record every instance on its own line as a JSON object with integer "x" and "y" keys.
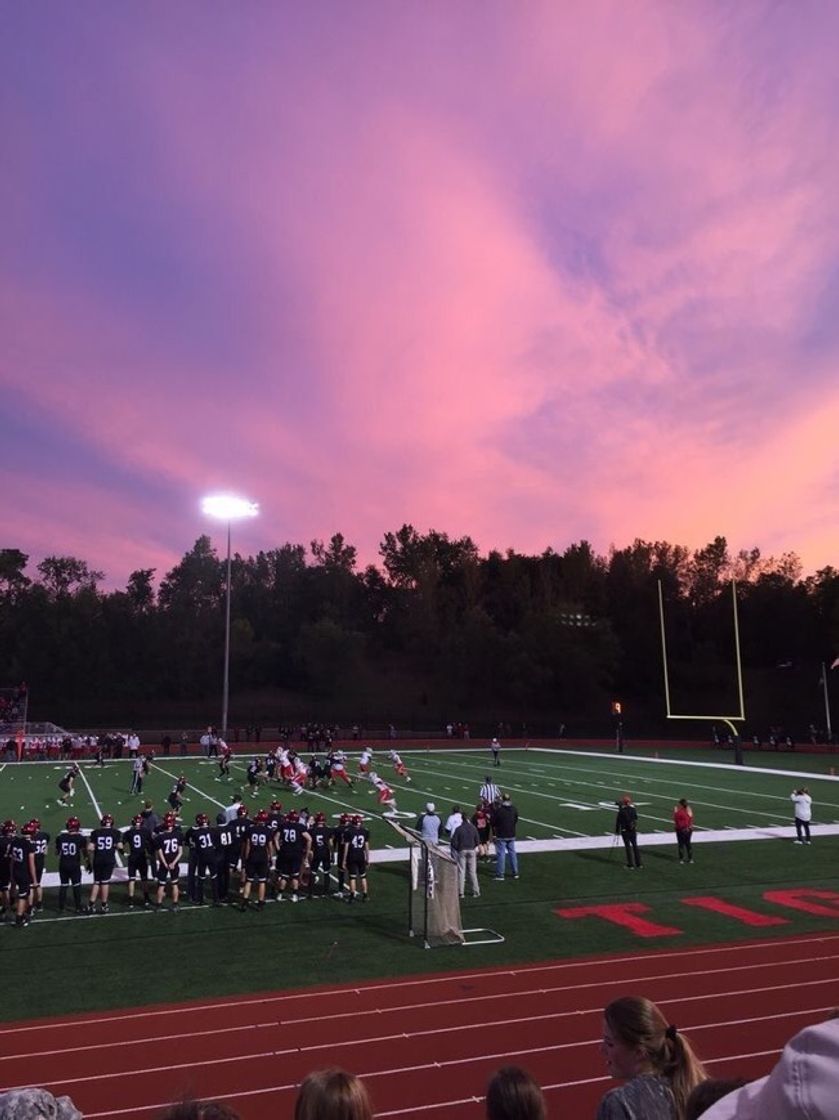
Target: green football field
{"x": 747, "y": 880}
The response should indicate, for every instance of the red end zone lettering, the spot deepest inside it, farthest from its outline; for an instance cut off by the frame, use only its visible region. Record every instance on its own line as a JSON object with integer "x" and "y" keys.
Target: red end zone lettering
{"x": 799, "y": 900}
{"x": 738, "y": 913}
{"x": 625, "y": 914}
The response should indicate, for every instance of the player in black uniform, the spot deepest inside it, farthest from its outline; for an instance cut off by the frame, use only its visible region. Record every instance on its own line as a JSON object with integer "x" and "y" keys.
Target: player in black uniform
{"x": 168, "y": 844}
{"x": 137, "y": 842}
{"x": 338, "y": 839}
{"x": 176, "y": 795}
{"x": 295, "y": 845}
{"x": 240, "y": 827}
{"x": 201, "y": 841}
{"x": 256, "y": 855}
{"x": 256, "y": 776}
{"x": 67, "y": 785}
{"x": 225, "y": 835}
{"x": 321, "y": 859}
{"x": 71, "y": 849}
{"x": 22, "y": 853}
{"x": 356, "y": 856}
{"x": 41, "y": 841}
{"x": 103, "y": 845}
{"x": 7, "y": 831}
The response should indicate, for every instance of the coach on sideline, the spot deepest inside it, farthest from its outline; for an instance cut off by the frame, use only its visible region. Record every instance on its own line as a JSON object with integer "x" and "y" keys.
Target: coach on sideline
{"x": 504, "y": 819}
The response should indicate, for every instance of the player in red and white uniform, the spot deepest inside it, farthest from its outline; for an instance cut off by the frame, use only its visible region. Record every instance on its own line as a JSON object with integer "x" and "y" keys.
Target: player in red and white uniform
{"x": 299, "y": 777}
{"x": 365, "y": 762}
{"x": 398, "y": 765}
{"x": 338, "y": 767}
{"x": 285, "y": 764}
{"x": 386, "y": 795}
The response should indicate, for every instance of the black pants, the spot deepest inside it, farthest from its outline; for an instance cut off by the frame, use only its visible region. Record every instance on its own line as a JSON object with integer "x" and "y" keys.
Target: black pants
{"x": 802, "y": 829}
{"x": 684, "y": 838}
{"x": 630, "y": 842}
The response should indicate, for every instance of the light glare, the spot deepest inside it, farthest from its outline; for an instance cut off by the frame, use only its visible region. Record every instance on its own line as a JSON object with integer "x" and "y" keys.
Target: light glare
{"x": 227, "y": 507}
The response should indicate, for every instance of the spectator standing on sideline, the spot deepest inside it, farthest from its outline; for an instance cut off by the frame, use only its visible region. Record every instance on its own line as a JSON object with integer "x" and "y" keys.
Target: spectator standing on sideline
{"x": 626, "y": 824}
{"x": 465, "y": 841}
{"x": 803, "y": 803}
{"x": 513, "y": 1094}
{"x": 683, "y": 822}
{"x": 166, "y": 744}
{"x": 429, "y": 824}
{"x": 495, "y": 749}
{"x": 184, "y": 743}
{"x": 480, "y": 819}
{"x": 331, "y": 1094}
{"x": 489, "y": 791}
{"x": 653, "y": 1059}
{"x": 453, "y": 820}
{"x": 504, "y": 820}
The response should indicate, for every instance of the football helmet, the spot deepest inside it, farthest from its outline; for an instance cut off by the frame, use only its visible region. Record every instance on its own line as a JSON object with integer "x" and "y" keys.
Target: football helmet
{"x": 136, "y": 821}
{"x": 276, "y": 806}
{"x": 293, "y": 816}
{"x": 107, "y": 820}
{"x": 262, "y": 816}
{"x": 201, "y": 819}
{"x": 169, "y": 820}
{"x": 320, "y": 818}
{"x": 36, "y": 823}
{"x": 242, "y": 811}
{"x": 29, "y": 829}
{"x": 356, "y": 819}
{"x": 9, "y": 828}
{"x": 73, "y": 824}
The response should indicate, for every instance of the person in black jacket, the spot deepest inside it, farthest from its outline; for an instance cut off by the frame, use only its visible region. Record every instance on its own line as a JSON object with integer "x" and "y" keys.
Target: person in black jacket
{"x": 626, "y": 825}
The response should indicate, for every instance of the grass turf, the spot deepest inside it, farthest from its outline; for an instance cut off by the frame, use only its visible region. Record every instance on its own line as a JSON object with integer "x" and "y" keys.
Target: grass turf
{"x": 127, "y": 958}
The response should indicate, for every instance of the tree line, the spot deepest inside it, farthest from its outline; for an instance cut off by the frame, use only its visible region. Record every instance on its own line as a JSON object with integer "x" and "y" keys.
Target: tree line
{"x": 436, "y": 631}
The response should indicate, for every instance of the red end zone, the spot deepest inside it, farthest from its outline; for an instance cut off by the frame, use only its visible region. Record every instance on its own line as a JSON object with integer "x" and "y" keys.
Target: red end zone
{"x": 426, "y": 1046}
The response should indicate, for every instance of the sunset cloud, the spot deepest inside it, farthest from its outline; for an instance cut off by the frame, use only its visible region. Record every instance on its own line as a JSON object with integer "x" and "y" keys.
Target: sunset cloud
{"x": 533, "y": 274}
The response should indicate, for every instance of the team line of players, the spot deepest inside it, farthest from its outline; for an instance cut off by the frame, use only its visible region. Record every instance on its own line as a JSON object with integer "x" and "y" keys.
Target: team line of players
{"x": 232, "y": 860}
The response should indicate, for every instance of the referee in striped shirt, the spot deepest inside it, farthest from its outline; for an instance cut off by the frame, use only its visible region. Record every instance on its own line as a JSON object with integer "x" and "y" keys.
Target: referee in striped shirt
{"x": 489, "y": 791}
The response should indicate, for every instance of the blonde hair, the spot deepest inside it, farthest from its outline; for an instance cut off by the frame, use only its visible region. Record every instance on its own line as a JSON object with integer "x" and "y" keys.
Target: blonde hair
{"x": 332, "y": 1094}
{"x": 637, "y": 1022}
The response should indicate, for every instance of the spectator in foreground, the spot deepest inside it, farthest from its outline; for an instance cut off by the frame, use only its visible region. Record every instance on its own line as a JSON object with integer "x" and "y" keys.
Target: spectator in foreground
{"x": 513, "y": 1094}
{"x": 804, "y": 1085}
{"x": 199, "y": 1110}
{"x": 653, "y": 1059}
{"x": 36, "y": 1104}
{"x": 709, "y": 1092}
{"x": 332, "y": 1094}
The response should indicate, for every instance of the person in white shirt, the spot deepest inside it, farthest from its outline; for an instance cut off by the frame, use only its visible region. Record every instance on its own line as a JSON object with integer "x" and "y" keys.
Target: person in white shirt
{"x": 803, "y": 803}
{"x": 454, "y": 820}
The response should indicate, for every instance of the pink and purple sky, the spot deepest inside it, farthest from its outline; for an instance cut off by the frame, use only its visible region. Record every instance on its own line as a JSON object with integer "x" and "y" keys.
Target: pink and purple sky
{"x": 534, "y": 272}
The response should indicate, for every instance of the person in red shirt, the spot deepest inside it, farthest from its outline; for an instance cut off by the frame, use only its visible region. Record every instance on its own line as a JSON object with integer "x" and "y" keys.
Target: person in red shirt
{"x": 683, "y": 822}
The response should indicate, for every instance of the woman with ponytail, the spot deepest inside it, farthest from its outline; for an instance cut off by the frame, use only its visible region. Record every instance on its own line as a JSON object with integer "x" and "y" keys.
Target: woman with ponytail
{"x": 653, "y": 1059}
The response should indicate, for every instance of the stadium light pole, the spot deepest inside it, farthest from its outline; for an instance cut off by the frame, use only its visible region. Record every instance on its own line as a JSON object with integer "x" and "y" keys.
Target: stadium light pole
{"x": 229, "y": 508}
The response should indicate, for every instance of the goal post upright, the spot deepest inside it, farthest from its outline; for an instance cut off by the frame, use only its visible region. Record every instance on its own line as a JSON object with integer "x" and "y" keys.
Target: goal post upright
{"x": 729, "y": 718}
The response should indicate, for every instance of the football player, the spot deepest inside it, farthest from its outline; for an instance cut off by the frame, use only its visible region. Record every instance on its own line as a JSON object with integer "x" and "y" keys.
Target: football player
{"x": 41, "y": 841}
{"x": 67, "y": 785}
{"x": 102, "y": 847}
{"x": 321, "y": 857}
{"x": 137, "y": 840}
{"x": 22, "y": 855}
{"x": 168, "y": 844}
{"x": 257, "y": 851}
{"x": 355, "y": 857}
{"x": 201, "y": 841}
{"x": 295, "y": 843}
{"x": 71, "y": 848}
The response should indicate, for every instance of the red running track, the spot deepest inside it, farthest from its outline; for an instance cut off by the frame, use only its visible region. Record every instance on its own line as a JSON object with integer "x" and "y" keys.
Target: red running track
{"x": 427, "y": 1046}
